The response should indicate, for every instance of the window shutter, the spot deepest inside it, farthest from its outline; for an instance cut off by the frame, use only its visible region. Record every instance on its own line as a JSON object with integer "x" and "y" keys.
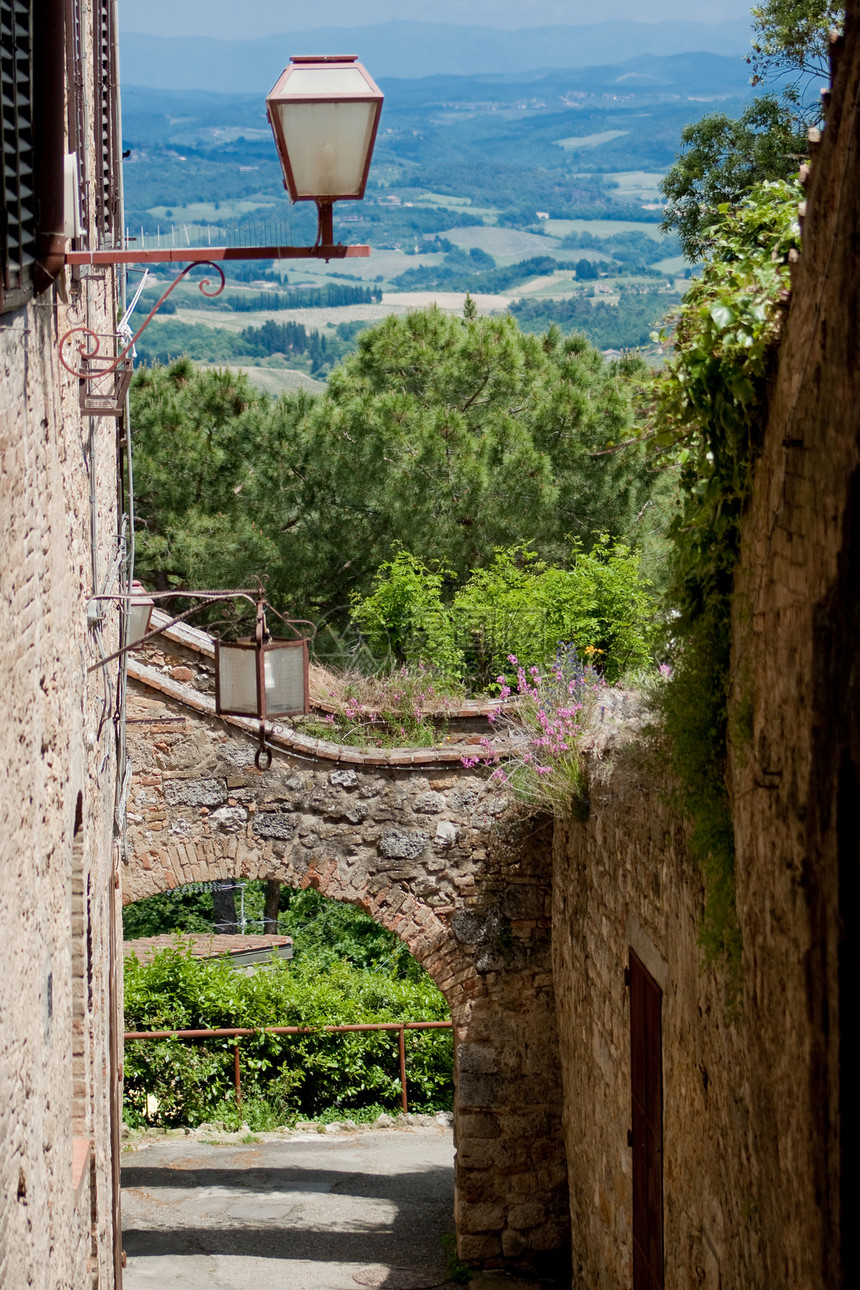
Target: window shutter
{"x": 77, "y": 122}
{"x": 18, "y": 228}
{"x": 107, "y": 125}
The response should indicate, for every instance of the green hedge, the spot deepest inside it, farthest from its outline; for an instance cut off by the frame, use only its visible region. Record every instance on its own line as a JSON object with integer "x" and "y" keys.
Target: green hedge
{"x": 284, "y": 1077}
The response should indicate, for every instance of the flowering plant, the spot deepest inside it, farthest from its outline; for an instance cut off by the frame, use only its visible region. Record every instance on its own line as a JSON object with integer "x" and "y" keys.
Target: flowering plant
{"x": 542, "y": 759}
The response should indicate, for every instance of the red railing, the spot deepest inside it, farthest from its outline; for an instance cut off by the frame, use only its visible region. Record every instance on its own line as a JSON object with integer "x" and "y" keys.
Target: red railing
{"x": 236, "y": 1032}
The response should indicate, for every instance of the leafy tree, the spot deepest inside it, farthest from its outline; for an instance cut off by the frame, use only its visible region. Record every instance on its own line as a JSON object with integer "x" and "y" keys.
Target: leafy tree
{"x": 452, "y": 436}
{"x": 448, "y": 436}
{"x": 627, "y": 325}
{"x": 172, "y": 911}
{"x": 586, "y": 269}
{"x": 324, "y": 931}
{"x": 791, "y": 39}
{"x": 198, "y": 439}
{"x": 721, "y": 159}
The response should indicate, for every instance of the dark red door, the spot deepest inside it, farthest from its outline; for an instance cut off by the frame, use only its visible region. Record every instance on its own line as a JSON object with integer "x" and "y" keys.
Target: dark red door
{"x": 646, "y": 1069}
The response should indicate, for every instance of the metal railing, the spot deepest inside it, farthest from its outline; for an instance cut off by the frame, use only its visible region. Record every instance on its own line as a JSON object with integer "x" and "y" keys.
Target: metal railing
{"x": 236, "y": 1032}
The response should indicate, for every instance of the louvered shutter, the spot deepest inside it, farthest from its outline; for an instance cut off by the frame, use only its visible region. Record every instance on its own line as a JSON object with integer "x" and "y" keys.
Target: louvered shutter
{"x": 107, "y": 132}
{"x": 18, "y": 229}
{"x": 77, "y": 121}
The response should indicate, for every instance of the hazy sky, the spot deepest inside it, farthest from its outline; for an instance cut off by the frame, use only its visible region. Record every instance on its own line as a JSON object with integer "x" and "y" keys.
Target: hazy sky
{"x": 229, "y": 19}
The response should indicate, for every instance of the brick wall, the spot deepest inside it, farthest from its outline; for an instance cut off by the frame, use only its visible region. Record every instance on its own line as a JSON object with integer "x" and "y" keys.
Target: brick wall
{"x": 57, "y": 752}
{"x": 760, "y": 1130}
{"x": 796, "y": 760}
{"x": 623, "y": 880}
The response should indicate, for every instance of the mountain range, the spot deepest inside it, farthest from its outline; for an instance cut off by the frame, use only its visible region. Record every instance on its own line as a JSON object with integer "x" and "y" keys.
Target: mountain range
{"x": 409, "y": 50}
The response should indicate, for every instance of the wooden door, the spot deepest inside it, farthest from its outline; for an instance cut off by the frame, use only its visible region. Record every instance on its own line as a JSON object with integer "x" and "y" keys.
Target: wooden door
{"x": 646, "y": 1070}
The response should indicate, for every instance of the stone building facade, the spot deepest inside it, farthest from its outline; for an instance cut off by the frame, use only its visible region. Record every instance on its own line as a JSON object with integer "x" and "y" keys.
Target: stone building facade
{"x": 59, "y": 985}
{"x": 756, "y": 1101}
{"x": 423, "y": 844}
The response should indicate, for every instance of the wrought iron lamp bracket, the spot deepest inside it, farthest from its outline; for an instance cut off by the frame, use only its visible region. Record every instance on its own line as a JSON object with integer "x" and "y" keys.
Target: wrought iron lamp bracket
{"x": 93, "y": 367}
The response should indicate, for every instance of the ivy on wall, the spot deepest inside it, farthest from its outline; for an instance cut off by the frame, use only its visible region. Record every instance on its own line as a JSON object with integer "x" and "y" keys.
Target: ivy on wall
{"x": 709, "y": 413}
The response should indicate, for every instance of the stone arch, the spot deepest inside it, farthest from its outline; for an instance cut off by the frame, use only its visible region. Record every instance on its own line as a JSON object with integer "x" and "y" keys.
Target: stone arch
{"x": 430, "y": 940}
{"x": 423, "y": 844}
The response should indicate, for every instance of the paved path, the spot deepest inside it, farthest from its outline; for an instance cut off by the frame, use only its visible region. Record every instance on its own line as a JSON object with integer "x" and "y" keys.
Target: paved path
{"x": 310, "y": 1212}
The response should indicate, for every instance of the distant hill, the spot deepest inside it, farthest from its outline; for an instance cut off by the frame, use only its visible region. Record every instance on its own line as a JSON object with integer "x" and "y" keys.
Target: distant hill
{"x": 416, "y": 49}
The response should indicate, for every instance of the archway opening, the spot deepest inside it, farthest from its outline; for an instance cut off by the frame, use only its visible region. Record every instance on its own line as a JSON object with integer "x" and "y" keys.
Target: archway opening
{"x": 320, "y": 964}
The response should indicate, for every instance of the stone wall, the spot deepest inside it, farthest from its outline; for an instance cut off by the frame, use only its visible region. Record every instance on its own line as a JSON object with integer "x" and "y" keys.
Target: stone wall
{"x": 623, "y": 880}
{"x": 58, "y": 759}
{"x": 428, "y": 848}
{"x": 796, "y": 761}
{"x": 760, "y": 1126}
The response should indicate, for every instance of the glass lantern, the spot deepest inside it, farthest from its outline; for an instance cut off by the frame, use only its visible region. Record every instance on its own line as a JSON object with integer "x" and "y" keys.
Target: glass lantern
{"x": 261, "y": 680}
{"x": 324, "y": 113}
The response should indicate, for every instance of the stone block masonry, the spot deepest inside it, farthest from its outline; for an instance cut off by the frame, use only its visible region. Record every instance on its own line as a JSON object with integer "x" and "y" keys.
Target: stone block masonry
{"x": 433, "y": 852}
{"x": 624, "y": 880}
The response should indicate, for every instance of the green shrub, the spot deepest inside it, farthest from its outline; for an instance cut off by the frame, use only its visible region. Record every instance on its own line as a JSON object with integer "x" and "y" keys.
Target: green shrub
{"x": 284, "y": 1077}
{"x": 518, "y": 605}
{"x": 521, "y": 606}
{"x": 404, "y": 619}
{"x": 711, "y": 406}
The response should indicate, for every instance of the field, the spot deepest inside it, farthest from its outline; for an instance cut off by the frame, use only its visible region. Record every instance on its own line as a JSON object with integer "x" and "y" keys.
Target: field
{"x": 393, "y": 302}
{"x": 590, "y": 140}
{"x": 466, "y": 171}
{"x": 271, "y": 380}
{"x": 601, "y": 227}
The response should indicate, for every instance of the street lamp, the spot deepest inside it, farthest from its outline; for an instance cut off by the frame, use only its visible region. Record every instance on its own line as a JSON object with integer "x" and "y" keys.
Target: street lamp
{"x": 139, "y": 609}
{"x": 324, "y": 113}
{"x": 260, "y": 677}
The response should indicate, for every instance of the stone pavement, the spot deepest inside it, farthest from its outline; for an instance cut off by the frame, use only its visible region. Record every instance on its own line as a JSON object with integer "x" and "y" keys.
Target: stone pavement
{"x": 309, "y": 1212}
{"x": 305, "y": 1212}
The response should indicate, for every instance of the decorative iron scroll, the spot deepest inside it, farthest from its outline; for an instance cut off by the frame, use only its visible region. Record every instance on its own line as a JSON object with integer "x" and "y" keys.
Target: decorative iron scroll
{"x": 88, "y": 348}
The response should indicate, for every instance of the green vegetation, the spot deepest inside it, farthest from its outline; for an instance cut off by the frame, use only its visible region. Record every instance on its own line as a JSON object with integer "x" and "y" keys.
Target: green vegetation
{"x": 334, "y": 295}
{"x": 721, "y": 159}
{"x": 709, "y": 416}
{"x": 631, "y": 247}
{"x": 791, "y": 41}
{"x": 284, "y": 1077}
{"x": 462, "y": 267}
{"x": 543, "y": 766}
{"x": 347, "y": 968}
{"x": 516, "y": 605}
{"x": 449, "y": 437}
{"x": 298, "y": 347}
{"x": 627, "y": 325}
{"x": 325, "y": 931}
